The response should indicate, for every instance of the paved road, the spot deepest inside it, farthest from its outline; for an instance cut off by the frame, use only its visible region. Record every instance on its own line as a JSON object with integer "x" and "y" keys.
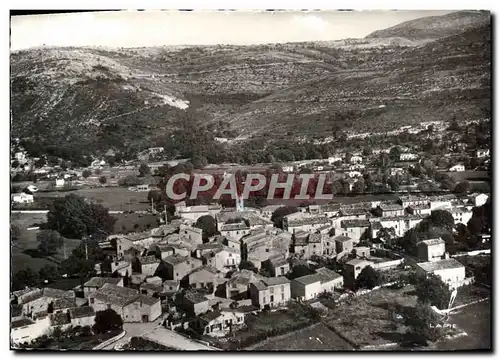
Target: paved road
{"x": 172, "y": 339}
{"x": 133, "y": 329}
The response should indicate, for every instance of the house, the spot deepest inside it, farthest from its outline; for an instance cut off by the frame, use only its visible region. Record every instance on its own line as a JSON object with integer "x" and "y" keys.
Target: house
{"x": 396, "y": 171}
{"x": 263, "y": 244}
{"x": 82, "y": 316}
{"x": 222, "y": 259}
{"x": 457, "y": 167}
{"x": 128, "y": 303}
{"x": 59, "y": 183}
{"x": 422, "y": 209}
{"x": 305, "y": 223}
{"x": 411, "y": 200}
{"x": 354, "y": 229}
{"x": 170, "y": 287}
{"x": 450, "y": 271}
{"x": 22, "y": 198}
{"x": 238, "y": 285}
{"x": 195, "y": 302}
{"x": 362, "y": 251}
{"x": 439, "y": 203}
{"x": 272, "y": 292}
{"x": 482, "y": 153}
{"x": 461, "y": 215}
{"x": 96, "y": 282}
{"x": 351, "y": 213}
{"x": 235, "y": 231}
{"x": 149, "y": 289}
{"x": 355, "y": 159}
{"x": 204, "y": 277}
{"x": 147, "y": 265}
{"x": 353, "y": 268}
{"x": 431, "y": 249}
{"x": 480, "y": 199}
{"x": 220, "y": 323}
{"x": 389, "y": 210}
{"x": 179, "y": 267}
{"x": 306, "y": 287}
{"x": 408, "y": 157}
{"x": 278, "y": 266}
{"x": 334, "y": 159}
{"x": 267, "y": 211}
{"x": 330, "y": 280}
{"x": 122, "y": 268}
{"x": 191, "y": 234}
{"x": 287, "y": 168}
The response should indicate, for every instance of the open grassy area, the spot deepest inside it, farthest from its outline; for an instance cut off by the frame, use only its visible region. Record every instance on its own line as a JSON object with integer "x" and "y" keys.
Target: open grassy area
{"x": 24, "y": 253}
{"x": 126, "y": 223}
{"x": 314, "y": 338}
{"x": 269, "y": 324}
{"x": 366, "y": 320}
{"x": 468, "y": 175}
{"x": 113, "y": 198}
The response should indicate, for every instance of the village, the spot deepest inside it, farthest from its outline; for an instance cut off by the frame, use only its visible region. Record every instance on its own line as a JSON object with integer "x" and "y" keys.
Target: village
{"x": 209, "y": 276}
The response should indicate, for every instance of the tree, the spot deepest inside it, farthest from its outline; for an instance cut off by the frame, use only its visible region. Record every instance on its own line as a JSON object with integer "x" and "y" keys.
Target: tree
{"x": 443, "y": 219}
{"x": 86, "y": 173}
{"x": 107, "y": 320}
{"x": 129, "y": 180}
{"x": 368, "y": 278}
{"x": 15, "y": 232}
{"x": 395, "y": 153}
{"x": 49, "y": 241}
{"x": 337, "y": 187}
{"x": 298, "y": 271}
{"x": 49, "y": 273}
{"x": 103, "y": 180}
{"x": 24, "y": 278}
{"x": 73, "y": 217}
{"x": 143, "y": 170}
{"x": 462, "y": 188}
{"x": 199, "y": 162}
{"x": 247, "y": 265}
{"x": 359, "y": 187}
{"x": 207, "y": 224}
{"x": 432, "y": 290}
{"x": 423, "y": 322}
{"x": 393, "y": 183}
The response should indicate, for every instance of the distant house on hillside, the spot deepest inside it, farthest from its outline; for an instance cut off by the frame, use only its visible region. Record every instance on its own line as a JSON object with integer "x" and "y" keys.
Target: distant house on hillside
{"x": 458, "y": 167}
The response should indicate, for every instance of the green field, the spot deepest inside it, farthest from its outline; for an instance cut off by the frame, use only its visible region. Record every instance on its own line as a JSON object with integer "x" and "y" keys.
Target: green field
{"x": 113, "y": 198}
{"x": 23, "y": 251}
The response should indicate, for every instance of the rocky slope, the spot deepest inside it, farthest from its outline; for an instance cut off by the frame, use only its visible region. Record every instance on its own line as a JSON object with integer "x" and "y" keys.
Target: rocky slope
{"x": 90, "y": 100}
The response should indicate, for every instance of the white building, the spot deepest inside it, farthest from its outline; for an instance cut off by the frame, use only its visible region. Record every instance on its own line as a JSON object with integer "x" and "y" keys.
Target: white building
{"x": 431, "y": 249}
{"x": 461, "y": 215}
{"x": 22, "y": 198}
{"x": 59, "y": 183}
{"x": 480, "y": 199}
{"x": 481, "y": 153}
{"x": 408, "y": 157}
{"x": 450, "y": 271}
{"x": 457, "y": 168}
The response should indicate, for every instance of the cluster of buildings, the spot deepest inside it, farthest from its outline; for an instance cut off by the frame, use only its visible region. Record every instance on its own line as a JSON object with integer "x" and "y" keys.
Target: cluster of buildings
{"x": 176, "y": 275}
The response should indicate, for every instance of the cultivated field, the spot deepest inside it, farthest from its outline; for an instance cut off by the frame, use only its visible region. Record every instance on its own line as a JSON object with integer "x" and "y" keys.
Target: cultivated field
{"x": 113, "y": 198}
{"x": 126, "y": 223}
{"x": 24, "y": 253}
{"x": 314, "y": 338}
{"x": 366, "y": 320}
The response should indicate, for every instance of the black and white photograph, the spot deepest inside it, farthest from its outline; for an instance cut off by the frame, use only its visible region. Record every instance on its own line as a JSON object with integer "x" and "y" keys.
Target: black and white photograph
{"x": 251, "y": 180}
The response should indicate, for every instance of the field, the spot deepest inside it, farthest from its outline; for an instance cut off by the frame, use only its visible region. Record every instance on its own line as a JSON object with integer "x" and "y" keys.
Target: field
{"x": 366, "y": 320}
{"x": 113, "y": 198}
{"x": 314, "y": 338}
{"x": 24, "y": 253}
{"x": 126, "y": 223}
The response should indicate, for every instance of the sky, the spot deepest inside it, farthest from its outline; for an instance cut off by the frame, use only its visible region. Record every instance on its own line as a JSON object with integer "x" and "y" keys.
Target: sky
{"x": 159, "y": 28}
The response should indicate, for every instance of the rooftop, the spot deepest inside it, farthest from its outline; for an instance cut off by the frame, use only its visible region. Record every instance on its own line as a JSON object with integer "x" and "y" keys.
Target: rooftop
{"x": 116, "y": 295}
{"x": 308, "y": 279}
{"x": 235, "y": 226}
{"x": 430, "y": 242}
{"x": 79, "y": 312}
{"x": 57, "y": 293}
{"x": 175, "y": 259}
{"x": 341, "y": 238}
{"x": 390, "y": 207}
{"x": 151, "y": 259}
{"x": 195, "y": 297}
{"x": 308, "y": 221}
{"x": 354, "y": 223}
{"x": 280, "y": 280}
{"x": 21, "y": 322}
{"x": 314, "y": 238}
{"x": 327, "y": 275}
{"x": 355, "y": 262}
{"x": 100, "y": 281}
{"x": 432, "y": 266}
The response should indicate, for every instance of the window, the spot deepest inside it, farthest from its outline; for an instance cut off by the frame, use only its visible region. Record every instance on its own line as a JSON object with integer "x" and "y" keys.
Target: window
{"x": 271, "y": 290}
{"x": 109, "y": 306}
{"x": 91, "y": 300}
{"x": 314, "y": 246}
{"x": 272, "y": 298}
{"x": 264, "y": 300}
{"x": 282, "y": 297}
{"x": 282, "y": 288}
{"x": 176, "y": 274}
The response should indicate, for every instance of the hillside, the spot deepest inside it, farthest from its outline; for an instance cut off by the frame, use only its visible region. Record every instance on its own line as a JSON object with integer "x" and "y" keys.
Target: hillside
{"x": 435, "y": 27}
{"x": 72, "y": 102}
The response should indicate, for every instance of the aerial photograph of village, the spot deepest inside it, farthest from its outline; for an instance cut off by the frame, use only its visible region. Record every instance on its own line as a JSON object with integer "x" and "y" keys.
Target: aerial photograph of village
{"x": 233, "y": 180}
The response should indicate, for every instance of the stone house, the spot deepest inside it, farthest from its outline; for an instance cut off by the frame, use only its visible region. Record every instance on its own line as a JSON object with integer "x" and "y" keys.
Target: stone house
{"x": 179, "y": 267}
{"x": 272, "y": 292}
